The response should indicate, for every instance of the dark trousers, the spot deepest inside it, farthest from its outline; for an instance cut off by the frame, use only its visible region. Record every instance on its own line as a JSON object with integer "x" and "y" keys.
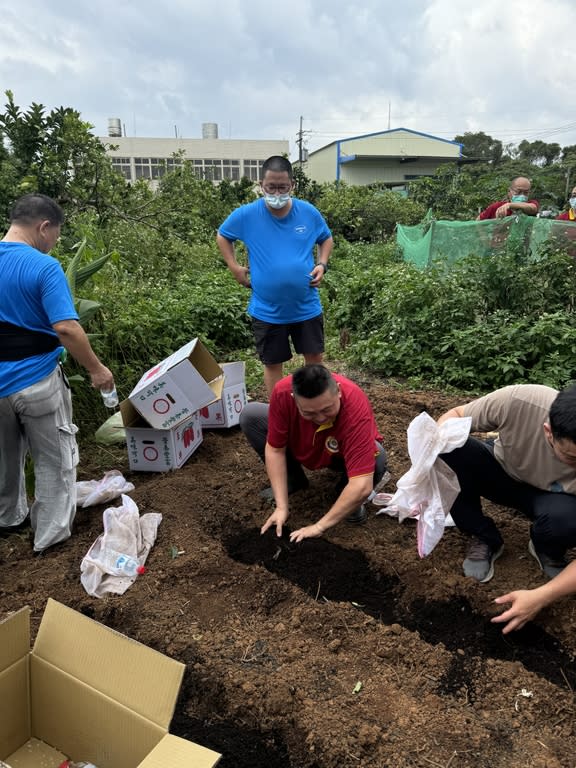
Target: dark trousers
{"x": 254, "y": 424}
{"x": 553, "y": 515}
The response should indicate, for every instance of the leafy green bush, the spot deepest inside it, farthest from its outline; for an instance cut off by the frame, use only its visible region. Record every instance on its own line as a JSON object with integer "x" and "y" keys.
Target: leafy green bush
{"x": 152, "y": 320}
{"x": 356, "y": 273}
{"x": 479, "y": 324}
{"x": 366, "y": 213}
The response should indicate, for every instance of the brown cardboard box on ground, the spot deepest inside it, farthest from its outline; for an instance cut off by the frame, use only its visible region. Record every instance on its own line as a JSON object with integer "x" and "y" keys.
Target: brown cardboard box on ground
{"x": 226, "y": 411}
{"x": 88, "y": 693}
{"x": 170, "y": 392}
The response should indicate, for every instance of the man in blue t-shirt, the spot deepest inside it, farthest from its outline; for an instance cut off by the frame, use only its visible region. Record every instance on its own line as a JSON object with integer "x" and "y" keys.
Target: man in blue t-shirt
{"x": 280, "y": 233}
{"x": 38, "y": 319}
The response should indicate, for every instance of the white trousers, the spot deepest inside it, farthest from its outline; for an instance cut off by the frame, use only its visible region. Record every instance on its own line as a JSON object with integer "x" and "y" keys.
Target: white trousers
{"x": 38, "y": 420}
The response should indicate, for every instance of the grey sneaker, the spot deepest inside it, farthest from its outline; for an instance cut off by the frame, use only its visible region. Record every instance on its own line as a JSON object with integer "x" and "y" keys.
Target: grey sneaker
{"x": 551, "y": 566}
{"x": 479, "y": 562}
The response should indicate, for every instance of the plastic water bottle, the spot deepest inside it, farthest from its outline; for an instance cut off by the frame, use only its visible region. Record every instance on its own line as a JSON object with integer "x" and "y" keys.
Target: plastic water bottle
{"x": 109, "y": 397}
{"x": 125, "y": 565}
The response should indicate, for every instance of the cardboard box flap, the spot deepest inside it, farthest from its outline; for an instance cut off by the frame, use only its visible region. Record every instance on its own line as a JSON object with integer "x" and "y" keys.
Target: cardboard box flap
{"x": 233, "y": 373}
{"x": 205, "y": 363}
{"x": 174, "y": 751}
{"x": 217, "y": 385}
{"x": 15, "y": 717}
{"x": 14, "y": 638}
{"x": 80, "y": 721}
{"x": 130, "y": 416}
{"x": 141, "y": 679}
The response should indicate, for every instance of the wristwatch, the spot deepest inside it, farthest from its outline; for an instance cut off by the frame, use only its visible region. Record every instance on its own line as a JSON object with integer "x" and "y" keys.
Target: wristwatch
{"x": 321, "y": 264}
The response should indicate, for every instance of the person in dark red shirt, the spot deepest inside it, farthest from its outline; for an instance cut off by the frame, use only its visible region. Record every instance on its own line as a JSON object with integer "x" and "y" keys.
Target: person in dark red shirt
{"x": 517, "y": 202}
{"x": 570, "y": 214}
{"x": 316, "y": 419}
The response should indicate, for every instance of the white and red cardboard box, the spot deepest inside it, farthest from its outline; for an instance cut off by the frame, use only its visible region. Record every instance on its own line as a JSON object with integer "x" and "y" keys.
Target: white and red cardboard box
{"x": 170, "y": 392}
{"x": 86, "y": 692}
{"x": 159, "y": 450}
{"x": 226, "y": 411}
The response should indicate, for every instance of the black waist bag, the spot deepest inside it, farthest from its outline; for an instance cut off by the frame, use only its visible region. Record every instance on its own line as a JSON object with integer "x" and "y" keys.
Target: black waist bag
{"x": 18, "y": 343}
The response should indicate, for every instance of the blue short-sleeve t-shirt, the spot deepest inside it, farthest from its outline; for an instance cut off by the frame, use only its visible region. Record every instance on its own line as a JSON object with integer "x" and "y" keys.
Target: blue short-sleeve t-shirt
{"x": 281, "y": 258}
{"x": 34, "y": 294}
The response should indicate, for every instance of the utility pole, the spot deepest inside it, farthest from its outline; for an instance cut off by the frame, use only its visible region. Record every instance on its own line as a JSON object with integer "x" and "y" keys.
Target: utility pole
{"x": 300, "y": 142}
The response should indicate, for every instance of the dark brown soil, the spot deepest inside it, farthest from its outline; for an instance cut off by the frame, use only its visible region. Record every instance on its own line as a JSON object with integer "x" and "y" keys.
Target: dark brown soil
{"x": 343, "y": 651}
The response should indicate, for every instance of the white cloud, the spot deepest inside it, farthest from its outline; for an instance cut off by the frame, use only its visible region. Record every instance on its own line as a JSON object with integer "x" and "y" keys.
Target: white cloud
{"x": 436, "y": 66}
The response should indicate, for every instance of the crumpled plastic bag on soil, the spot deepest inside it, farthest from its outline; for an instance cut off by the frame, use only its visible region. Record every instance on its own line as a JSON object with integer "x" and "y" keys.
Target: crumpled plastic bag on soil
{"x": 126, "y": 532}
{"x": 112, "y": 431}
{"x": 112, "y": 485}
{"x": 430, "y": 487}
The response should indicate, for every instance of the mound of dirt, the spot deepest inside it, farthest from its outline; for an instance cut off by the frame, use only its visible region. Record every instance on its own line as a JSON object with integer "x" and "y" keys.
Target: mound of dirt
{"x": 343, "y": 651}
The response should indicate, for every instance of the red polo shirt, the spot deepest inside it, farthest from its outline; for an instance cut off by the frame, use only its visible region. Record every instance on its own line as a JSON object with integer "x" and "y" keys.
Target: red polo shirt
{"x": 490, "y": 212}
{"x": 352, "y": 435}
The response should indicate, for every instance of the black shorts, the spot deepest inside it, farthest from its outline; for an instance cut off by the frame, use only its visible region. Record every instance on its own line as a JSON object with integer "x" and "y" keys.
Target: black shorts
{"x": 273, "y": 339}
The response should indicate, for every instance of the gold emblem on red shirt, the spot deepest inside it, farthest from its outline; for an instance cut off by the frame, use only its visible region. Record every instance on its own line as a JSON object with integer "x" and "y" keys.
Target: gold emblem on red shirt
{"x": 332, "y": 445}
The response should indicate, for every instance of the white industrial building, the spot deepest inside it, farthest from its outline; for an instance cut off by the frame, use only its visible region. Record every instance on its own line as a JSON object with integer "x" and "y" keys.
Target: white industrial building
{"x": 212, "y": 158}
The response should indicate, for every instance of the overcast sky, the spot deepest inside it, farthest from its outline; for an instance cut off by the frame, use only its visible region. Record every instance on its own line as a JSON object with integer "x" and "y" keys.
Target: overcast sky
{"x": 348, "y": 67}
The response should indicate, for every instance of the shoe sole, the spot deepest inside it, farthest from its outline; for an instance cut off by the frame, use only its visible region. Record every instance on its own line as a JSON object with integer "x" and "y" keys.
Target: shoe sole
{"x": 534, "y": 554}
{"x": 490, "y": 573}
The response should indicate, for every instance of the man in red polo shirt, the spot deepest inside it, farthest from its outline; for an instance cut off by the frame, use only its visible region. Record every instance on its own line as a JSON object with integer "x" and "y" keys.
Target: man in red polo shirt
{"x": 316, "y": 419}
{"x": 517, "y": 202}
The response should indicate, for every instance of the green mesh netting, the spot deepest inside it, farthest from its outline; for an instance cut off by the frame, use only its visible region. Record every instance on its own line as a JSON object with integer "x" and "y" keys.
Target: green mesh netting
{"x": 526, "y": 236}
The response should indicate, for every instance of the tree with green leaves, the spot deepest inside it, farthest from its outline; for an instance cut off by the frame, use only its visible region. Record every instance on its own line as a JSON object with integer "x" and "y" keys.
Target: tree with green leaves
{"x": 479, "y": 146}
{"x": 368, "y": 213}
{"x": 55, "y": 153}
{"x": 539, "y": 153}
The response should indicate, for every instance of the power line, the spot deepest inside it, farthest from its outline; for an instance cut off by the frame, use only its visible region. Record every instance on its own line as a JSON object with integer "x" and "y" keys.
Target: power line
{"x": 458, "y": 132}
{"x": 526, "y": 133}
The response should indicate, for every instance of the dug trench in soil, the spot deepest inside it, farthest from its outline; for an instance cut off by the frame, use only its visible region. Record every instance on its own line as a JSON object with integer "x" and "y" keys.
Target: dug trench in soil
{"x": 241, "y": 746}
{"x": 328, "y": 572}
{"x": 277, "y": 675}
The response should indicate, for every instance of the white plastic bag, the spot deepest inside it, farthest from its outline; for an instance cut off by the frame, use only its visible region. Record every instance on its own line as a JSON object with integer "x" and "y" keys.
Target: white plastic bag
{"x": 126, "y": 532}
{"x": 429, "y": 488}
{"x": 91, "y": 492}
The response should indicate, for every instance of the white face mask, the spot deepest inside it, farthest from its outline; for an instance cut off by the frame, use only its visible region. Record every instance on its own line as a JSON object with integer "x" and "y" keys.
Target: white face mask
{"x": 572, "y": 202}
{"x": 277, "y": 201}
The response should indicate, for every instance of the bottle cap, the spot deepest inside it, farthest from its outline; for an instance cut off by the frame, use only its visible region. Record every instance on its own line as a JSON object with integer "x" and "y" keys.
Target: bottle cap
{"x": 141, "y": 569}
